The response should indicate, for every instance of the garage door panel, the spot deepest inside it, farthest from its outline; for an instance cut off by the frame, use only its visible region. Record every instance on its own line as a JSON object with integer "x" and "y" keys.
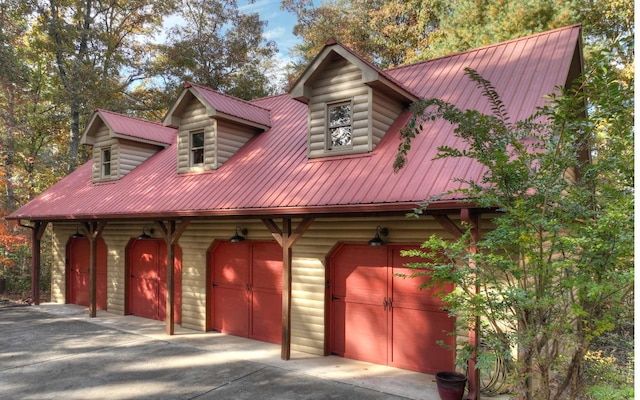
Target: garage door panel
{"x": 365, "y": 329}
{"x": 233, "y": 323}
{"x": 267, "y": 267}
{"x": 78, "y": 272}
{"x": 148, "y": 279}
{"x": 404, "y": 330}
{"x": 415, "y": 340}
{"x": 247, "y": 287}
{"x": 231, "y": 261}
{"x": 266, "y": 317}
{"x": 361, "y": 262}
{"x": 144, "y": 297}
{"x": 406, "y": 292}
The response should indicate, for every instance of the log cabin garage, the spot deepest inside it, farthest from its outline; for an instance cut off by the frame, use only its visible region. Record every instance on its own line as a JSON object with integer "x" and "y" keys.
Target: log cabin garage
{"x": 281, "y": 218}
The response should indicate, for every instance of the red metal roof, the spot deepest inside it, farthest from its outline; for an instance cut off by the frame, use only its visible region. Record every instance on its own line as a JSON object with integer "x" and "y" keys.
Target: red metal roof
{"x": 137, "y": 128}
{"x": 271, "y": 174}
{"x": 233, "y": 106}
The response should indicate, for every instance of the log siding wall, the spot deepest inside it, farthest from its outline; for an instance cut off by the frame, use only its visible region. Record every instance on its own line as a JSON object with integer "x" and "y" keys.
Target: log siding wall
{"x": 337, "y": 83}
{"x": 195, "y": 118}
{"x": 373, "y": 111}
{"x": 309, "y": 272}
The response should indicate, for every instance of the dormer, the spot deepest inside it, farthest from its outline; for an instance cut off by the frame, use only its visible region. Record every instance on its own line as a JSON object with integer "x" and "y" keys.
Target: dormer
{"x": 121, "y": 143}
{"x": 351, "y": 102}
{"x": 212, "y": 127}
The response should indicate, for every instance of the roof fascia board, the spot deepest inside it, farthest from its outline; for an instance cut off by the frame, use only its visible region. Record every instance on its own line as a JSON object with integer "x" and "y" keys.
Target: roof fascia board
{"x": 87, "y": 138}
{"x": 319, "y": 211}
{"x": 170, "y": 119}
{"x": 301, "y": 89}
{"x": 137, "y": 139}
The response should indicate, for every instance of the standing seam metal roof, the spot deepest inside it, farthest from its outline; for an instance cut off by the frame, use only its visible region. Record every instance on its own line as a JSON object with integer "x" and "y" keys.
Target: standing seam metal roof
{"x": 271, "y": 173}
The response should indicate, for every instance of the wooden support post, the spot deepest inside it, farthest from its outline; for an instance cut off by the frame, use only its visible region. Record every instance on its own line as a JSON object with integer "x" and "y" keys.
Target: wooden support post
{"x": 37, "y": 230}
{"x": 93, "y": 231}
{"x": 474, "y": 331}
{"x": 287, "y": 237}
{"x": 171, "y": 234}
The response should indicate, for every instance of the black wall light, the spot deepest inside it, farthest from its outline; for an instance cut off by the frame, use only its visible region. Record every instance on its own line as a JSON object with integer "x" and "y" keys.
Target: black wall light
{"x": 77, "y": 235}
{"x": 377, "y": 240}
{"x": 144, "y": 234}
{"x": 238, "y": 236}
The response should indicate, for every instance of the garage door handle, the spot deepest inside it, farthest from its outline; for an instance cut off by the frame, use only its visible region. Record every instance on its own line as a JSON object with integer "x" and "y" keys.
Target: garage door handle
{"x": 334, "y": 298}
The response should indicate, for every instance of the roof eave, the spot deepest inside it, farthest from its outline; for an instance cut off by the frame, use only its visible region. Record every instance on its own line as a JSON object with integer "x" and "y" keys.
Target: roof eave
{"x": 298, "y": 211}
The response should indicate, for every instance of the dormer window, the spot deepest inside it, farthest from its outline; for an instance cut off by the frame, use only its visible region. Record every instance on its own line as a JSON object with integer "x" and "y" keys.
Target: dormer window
{"x": 106, "y": 163}
{"x": 339, "y": 129}
{"x": 197, "y": 148}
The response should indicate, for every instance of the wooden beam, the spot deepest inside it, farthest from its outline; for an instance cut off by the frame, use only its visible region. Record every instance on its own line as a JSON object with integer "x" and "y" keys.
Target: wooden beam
{"x": 287, "y": 237}
{"x": 93, "y": 231}
{"x": 37, "y": 231}
{"x": 449, "y": 226}
{"x": 171, "y": 233}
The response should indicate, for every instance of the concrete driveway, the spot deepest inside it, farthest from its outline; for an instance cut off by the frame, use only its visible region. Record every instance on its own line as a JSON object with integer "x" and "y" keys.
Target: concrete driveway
{"x": 55, "y": 351}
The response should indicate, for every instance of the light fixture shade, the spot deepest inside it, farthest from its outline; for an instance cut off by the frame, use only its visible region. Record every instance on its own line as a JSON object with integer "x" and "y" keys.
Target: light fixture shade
{"x": 377, "y": 240}
{"x": 77, "y": 235}
{"x": 144, "y": 234}
{"x": 237, "y": 237}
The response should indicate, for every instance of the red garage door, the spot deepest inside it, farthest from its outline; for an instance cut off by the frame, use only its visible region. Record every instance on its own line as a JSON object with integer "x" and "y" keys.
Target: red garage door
{"x": 148, "y": 279}
{"x": 379, "y": 317}
{"x": 78, "y": 273}
{"x": 246, "y": 289}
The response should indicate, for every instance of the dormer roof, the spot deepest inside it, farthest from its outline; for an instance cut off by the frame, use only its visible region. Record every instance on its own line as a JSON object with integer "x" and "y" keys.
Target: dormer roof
{"x": 371, "y": 75}
{"x": 125, "y": 127}
{"x": 220, "y": 106}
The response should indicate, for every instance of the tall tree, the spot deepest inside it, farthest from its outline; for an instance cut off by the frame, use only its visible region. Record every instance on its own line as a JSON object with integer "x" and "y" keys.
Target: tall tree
{"x": 553, "y": 272}
{"x": 216, "y": 46}
{"x": 387, "y": 32}
{"x": 96, "y": 48}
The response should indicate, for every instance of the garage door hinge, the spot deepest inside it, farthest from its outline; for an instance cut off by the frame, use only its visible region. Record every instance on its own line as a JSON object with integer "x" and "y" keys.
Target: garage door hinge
{"x": 214, "y": 284}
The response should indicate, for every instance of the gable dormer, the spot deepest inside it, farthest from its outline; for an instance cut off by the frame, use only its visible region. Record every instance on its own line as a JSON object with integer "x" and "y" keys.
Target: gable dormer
{"x": 212, "y": 127}
{"x": 121, "y": 143}
{"x": 351, "y": 102}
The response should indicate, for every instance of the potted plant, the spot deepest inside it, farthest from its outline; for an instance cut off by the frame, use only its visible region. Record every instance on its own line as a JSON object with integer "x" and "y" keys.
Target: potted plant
{"x": 451, "y": 385}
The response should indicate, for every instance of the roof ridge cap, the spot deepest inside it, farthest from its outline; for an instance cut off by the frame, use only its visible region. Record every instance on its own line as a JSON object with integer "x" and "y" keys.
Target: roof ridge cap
{"x": 226, "y": 95}
{"x": 568, "y": 27}
{"x": 99, "y": 110}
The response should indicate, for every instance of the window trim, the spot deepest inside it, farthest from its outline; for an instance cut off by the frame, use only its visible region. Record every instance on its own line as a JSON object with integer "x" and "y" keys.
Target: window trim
{"x": 193, "y": 149}
{"x": 328, "y": 141}
{"x": 105, "y": 162}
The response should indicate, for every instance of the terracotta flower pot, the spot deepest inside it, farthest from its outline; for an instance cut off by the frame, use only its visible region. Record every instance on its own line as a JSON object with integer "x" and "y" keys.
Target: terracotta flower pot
{"x": 451, "y": 385}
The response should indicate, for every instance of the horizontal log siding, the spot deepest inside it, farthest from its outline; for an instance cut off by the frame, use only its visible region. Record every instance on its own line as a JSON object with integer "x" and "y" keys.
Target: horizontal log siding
{"x": 309, "y": 275}
{"x": 102, "y": 140}
{"x": 385, "y": 112}
{"x": 338, "y": 82}
{"x": 194, "y": 117}
{"x": 131, "y": 154}
{"x": 229, "y": 139}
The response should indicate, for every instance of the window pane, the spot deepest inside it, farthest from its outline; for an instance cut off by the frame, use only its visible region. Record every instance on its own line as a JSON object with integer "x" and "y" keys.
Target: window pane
{"x": 340, "y": 115}
{"x": 197, "y": 140}
{"x": 341, "y": 136}
{"x": 197, "y": 156}
{"x": 106, "y": 163}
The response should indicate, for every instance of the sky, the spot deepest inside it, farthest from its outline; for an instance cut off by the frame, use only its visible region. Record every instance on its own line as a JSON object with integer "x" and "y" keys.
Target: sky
{"x": 280, "y": 23}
